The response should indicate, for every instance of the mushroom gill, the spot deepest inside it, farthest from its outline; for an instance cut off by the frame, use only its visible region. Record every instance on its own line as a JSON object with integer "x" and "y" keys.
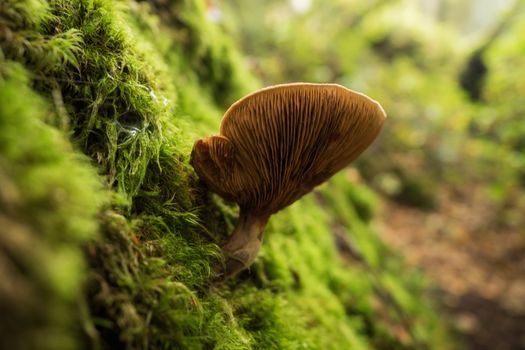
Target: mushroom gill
{"x": 276, "y": 145}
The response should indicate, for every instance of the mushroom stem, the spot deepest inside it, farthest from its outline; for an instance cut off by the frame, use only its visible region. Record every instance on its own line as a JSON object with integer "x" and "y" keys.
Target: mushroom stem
{"x": 244, "y": 243}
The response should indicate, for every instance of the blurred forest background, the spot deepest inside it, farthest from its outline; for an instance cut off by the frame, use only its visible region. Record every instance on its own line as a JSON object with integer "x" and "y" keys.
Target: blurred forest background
{"x": 450, "y": 163}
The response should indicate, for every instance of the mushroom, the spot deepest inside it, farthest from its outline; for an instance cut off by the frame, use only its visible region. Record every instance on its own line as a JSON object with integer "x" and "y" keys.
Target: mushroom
{"x": 275, "y": 145}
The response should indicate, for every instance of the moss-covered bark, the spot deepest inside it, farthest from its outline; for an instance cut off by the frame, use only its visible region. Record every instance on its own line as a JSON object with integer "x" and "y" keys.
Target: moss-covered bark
{"x": 106, "y": 235}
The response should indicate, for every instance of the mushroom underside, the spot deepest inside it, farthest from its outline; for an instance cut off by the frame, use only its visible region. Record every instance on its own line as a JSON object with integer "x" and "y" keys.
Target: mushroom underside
{"x": 275, "y": 146}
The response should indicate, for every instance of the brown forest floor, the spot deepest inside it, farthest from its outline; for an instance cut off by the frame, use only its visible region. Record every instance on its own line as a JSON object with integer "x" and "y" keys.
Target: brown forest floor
{"x": 478, "y": 271}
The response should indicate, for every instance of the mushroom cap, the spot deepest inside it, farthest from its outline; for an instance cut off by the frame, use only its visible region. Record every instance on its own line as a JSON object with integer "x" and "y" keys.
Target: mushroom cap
{"x": 278, "y": 143}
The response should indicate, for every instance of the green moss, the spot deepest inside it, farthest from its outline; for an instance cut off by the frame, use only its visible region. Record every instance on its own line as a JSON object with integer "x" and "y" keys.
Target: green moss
{"x": 48, "y": 201}
{"x": 131, "y": 85}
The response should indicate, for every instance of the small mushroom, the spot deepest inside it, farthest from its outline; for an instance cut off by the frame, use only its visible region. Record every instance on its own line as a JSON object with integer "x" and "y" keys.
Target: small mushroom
{"x": 275, "y": 145}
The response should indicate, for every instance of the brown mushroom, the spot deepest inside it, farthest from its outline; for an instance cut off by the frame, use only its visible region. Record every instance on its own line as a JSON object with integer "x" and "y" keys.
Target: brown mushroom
{"x": 276, "y": 145}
